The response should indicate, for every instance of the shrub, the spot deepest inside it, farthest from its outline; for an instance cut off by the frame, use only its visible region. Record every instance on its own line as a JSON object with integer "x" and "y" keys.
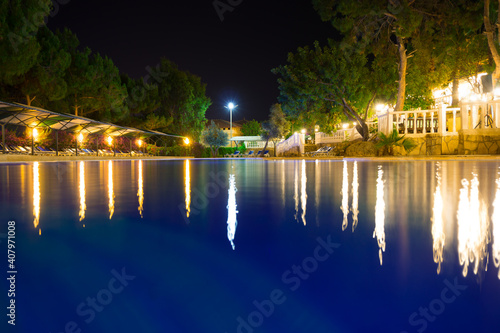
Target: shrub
{"x": 388, "y": 142}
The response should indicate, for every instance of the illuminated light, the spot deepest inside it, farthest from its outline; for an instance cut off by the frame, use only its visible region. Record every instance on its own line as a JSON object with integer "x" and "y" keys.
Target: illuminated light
{"x": 140, "y": 190}
{"x": 438, "y": 236}
{"x": 355, "y": 186}
{"x": 187, "y": 186}
{"x": 379, "y": 231}
{"x": 139, "y": 142}
{"x": 231, "y": 210}
{"x": 230, "y": 105}
{"x": 36, "y": 194}
{"x": 110, "y": 140}
{"x": 497, "y": 91}
{"x": 345, "y": 126}
{"x": 303, "y": 191}
{"x": 354, "y": 123}
{"x": 35, "y": 134}
{"x": 303, "y": 131}
{"x": 345, "y": 196}
{"x": 80, "y": 137}
{"x": 81, "y": 182}
{"x": 495, "y": 219}
{"x": 473, "y": 97}
{"x": 111, "y": 192}
{"x": 380, "y": 107}
{"x": 315, "y": 130}
{"x": 472, "y": 227}
{"x": 186, "y": 141}
{"x": 295, "y": 132}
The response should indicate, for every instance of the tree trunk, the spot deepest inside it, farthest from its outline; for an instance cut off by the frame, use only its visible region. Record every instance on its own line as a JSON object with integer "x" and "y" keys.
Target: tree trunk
{"x": 454, "y": 92}
{"x": 403, "y": 62}
{"x": 363, "y": 130}
{"x": 263, "y": 150}
{"x": 489, "y": 31}
{"x": 29, "y": 100}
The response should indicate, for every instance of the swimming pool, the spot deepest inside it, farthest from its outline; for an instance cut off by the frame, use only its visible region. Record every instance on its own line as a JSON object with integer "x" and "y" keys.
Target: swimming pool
{"x": 248, "y": 245}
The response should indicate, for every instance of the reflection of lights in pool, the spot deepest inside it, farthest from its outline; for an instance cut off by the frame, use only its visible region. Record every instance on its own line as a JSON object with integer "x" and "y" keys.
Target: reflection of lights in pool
{"x": 231, "y": 210}
{"x": 303, "y": 191}
{"x": 345, "y": 196}
{"x": 36, "y": 194}
{"x": 111, "y": 193}
{"x": 187, "y": 186}
{"x": 379, "y": 231}
{"x": 472, "y": 226}
{"x": 495, "y": 219}
{"x": 140, "y": 190}
{"x": 355, "y": 186}
{"x": 83, "y": 205}
{"x": 296, "y": 191}
{"x": 438, "y": 237}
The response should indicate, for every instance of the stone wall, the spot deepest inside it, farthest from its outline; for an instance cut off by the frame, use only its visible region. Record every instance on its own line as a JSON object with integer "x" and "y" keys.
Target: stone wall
{"x": 479, "y": 141}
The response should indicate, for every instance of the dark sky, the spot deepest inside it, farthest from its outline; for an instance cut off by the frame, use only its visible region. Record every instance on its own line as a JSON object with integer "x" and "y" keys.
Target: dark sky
{"x": 233, "y": 57}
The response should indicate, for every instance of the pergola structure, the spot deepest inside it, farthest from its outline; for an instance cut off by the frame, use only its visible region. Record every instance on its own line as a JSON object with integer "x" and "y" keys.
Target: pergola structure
{"x": 33, "y": 117}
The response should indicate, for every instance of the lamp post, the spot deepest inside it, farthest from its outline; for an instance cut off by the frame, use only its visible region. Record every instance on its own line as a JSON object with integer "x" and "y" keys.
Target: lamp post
{"x": 231, "y": 106}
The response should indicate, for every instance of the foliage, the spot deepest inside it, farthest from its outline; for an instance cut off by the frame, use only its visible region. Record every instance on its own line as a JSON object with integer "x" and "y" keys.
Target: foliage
{"x": 197, "y": 149}
{"x": 215, "y": 138}
{"x": 388, "y": 142}
{"x": 251, "y": 128}
{"x": 182, "y": 99}
{"x": 276, "y": 127}
{"x": 332, "y": 82}
{"x": 19, "y": 47}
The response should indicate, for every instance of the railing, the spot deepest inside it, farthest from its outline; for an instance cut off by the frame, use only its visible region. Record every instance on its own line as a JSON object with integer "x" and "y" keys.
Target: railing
{"x": 296, "y": 140}
{"x": 480, "y": 114}
{"x": 421, "y": 122}
{"x": 341, "y": 135}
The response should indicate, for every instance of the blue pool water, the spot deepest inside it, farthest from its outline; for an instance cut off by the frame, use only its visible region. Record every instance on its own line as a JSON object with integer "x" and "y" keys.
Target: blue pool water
{"x": 252, "y": 246}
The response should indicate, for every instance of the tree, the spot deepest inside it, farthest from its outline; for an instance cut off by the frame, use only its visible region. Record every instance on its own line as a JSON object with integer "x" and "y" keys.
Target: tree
{"x": 19, "y": 23}
{"x": 45, "y": 80}
{"x": 333, "y": 80}
{"x": 490, "y": 32}
{"x": 251, "y": 128}
{"x": 182, "y": 98}
{"x": 275, "y": 128}
{"x": 215, "y": 138}
{"x": 385, "y": 28}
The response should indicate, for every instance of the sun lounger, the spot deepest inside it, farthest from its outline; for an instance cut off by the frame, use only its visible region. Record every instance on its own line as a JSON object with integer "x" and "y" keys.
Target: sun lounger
{"x": 248, "y": 154}
{"x": 235, "y": 154}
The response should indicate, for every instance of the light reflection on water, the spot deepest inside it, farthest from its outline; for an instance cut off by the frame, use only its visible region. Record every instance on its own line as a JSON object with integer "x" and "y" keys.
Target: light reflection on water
{"x": 438, "y": 236}
{"x": 457, "y": 195}
{"x": 81, "y": 185}
{"x": 36, "y": 195}
{"x": 231, "y": 210}
{"x": 187, "y": 186}
{"x": 345, "y": 196}
{"x": 495, "y": 219}
{"x": 379, "y": 231}
{"x": 111, "y": 191}
{"x": 473, "y": 230}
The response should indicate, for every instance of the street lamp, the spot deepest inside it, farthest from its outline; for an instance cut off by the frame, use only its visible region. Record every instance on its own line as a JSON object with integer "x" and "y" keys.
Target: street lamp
{"x": 231, "y": 106}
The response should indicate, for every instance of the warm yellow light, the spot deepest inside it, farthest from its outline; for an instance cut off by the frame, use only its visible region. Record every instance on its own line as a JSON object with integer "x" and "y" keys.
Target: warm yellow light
{"x": 110, "y": 140}
{"x": 380, "y": 107}
{"x": 186, "y": 141}
{"x": 139, "y": 142}
{"x": 80, "y": 137}
{"x": 345, "y": 125}
{"x": 354, "y": 124}
{"x": 303, "y": 131}
{"x": 35, "y": 134}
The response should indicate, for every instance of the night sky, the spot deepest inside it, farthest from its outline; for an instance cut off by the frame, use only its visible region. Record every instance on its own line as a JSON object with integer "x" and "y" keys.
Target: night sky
{"x": 234, "y": 57}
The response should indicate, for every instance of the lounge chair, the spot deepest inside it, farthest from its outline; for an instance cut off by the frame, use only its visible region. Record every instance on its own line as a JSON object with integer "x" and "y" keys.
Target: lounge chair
{"x": 235, "y": 154}
{"x": 248, "y": 154}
